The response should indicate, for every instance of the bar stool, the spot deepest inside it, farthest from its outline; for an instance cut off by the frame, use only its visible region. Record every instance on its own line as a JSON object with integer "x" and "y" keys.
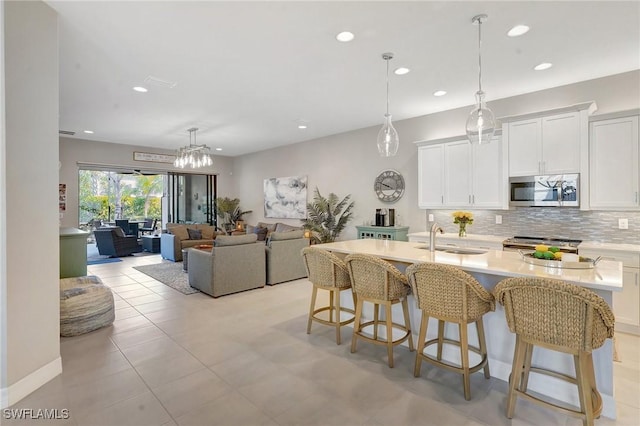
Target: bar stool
{"x": 379, "y": 282}
{"x": 450, "y": 295}
{"x": 327, "y": 272}
{"x": 555, "y": 315}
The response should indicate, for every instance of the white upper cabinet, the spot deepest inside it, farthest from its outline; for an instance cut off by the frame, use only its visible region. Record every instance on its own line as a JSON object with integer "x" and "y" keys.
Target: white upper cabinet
{"x": 545, "y": 145}
{"x": 614, "y": 161}
{"x": 457, "y": 174}
{"x": 431, "y": 176}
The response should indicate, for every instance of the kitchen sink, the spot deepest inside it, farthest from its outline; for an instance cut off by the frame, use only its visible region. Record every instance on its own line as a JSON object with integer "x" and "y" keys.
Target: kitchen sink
{"x": 458, "y": 250}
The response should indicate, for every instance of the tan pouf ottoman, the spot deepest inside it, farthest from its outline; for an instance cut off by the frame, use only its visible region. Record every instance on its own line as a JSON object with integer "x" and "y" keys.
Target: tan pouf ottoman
{"x": 86, "y": 304}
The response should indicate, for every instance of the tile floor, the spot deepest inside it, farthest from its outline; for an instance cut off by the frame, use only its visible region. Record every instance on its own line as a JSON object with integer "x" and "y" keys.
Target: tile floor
{"x": 245, "y": 359}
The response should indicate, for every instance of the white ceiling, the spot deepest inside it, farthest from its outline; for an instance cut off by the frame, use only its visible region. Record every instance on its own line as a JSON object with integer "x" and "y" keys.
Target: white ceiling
{"x": 248, "y": 72}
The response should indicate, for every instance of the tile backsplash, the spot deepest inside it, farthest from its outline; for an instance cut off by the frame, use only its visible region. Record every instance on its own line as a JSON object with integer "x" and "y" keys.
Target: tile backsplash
{"x": 601, "y": 226}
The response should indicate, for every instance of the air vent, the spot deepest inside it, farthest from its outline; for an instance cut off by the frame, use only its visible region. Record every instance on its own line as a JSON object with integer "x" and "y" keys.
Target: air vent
{"x": 66, "y": 132}
{"x": 160, "y": 82}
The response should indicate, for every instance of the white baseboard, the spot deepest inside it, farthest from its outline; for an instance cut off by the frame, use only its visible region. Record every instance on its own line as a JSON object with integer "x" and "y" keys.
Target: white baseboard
{"x": 14, "y": 393}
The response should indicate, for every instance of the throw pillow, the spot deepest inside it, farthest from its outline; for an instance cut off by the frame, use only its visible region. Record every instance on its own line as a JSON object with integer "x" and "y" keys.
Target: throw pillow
{"x": 194, "y": 234}
{"x": 119, "y": 232}
{"x": 226, "y": 240}
{"x": 260, "y": 232}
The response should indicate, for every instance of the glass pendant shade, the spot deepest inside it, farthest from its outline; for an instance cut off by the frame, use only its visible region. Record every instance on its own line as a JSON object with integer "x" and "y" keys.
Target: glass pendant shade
{"x": 481, "y": 124}
{"x": 388, "y": 140}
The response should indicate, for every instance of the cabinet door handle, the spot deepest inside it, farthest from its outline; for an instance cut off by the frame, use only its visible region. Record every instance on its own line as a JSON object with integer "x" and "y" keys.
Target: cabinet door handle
{"x": 469, "y": 199}
{"x": 473, "y": 199}
{"x": 442, "y": 199}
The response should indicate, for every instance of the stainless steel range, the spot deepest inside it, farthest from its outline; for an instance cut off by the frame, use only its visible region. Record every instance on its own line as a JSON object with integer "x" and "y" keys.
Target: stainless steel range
{"x": 529, "y": 243}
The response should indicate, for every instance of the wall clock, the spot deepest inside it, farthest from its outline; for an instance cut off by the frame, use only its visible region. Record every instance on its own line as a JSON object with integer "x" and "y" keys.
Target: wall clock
{"x": 389, "y": 186}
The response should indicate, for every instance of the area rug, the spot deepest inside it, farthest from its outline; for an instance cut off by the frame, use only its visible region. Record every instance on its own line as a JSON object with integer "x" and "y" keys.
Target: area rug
{"x": 170, "y": 274}
{"x": 104, "y": 260}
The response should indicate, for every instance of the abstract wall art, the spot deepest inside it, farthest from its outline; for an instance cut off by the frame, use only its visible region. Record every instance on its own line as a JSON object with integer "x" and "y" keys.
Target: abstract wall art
{"x": 285, "y": 197}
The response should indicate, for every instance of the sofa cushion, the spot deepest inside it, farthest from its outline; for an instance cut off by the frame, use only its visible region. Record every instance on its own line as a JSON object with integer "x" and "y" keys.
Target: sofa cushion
{"x": 270, "y": 226}
{"x": 234, "y": 240}
{"x": 180, "y": 231}
{"x": 208, "y": 231}
{"x": 290, "y": 235}
{"x": 119, "y": 232}
{"x": 194, "y": 234}
{"x": 283, "y": 227}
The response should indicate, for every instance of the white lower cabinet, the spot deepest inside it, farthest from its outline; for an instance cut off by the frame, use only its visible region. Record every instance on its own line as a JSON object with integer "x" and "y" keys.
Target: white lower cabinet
{"x": 626, "y": 303}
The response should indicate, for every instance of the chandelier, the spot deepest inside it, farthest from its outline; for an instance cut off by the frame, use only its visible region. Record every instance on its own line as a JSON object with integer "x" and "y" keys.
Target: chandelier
{"x": 193, "y": 155}
{"x": 481, "y": 123}
{"x": 388, "y": 140}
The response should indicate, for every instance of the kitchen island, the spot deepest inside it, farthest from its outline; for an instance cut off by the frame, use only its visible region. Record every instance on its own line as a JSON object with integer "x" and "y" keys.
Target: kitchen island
{"x": 489, "y": 268}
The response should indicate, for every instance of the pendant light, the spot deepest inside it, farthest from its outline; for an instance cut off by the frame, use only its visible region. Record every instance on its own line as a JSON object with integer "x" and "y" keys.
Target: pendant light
{"x": 388, "y": 141}
{"x": 481, "y": 123}
{"x": 193, "y": 155}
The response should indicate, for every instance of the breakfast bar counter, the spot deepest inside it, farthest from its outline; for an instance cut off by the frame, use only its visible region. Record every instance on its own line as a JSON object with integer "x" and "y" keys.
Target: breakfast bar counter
{"x": 490, "y": 267}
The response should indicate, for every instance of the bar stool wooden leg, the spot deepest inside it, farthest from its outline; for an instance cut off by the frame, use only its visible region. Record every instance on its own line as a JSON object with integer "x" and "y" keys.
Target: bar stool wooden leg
{"x": 314, "y": 293}
{"x": 424, "y": 323}
{"x": 356, "y": 325}
{"x": 584, "y": 388}
{"x": 464, "y": 353}
{"x": 516, "y": 375}
{"x": 389, "y": 321}
{"x": 597, "y": 399}
{"x": 527, "y": 367}
{"x": 407, "y": 322}
{"x": 376, "y": 318}
{"x": 336, "y": 293}
{"x": 440, "y": 339}
{"x": 331, "y": 306}
{"x": 483, "y": 346}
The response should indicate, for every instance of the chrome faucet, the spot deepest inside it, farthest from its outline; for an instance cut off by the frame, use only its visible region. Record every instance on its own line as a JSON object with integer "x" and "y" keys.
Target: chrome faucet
{"x": 432, "y": 236}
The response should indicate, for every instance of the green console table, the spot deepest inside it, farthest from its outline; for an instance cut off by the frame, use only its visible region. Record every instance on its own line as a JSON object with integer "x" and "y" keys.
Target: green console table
{"x": 397, "y": 233}
{"x": 73, "y": 252}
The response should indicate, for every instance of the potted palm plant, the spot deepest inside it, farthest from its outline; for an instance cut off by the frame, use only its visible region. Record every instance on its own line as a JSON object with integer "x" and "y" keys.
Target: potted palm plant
{"x": 230, "y": 212}
{"x": 327, "y": 217}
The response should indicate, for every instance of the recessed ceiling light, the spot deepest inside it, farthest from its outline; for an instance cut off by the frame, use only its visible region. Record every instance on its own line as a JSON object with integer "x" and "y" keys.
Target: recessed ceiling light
{"x": 345, "y": 36}
{"x": 518, "y": 30}
{"x": 401, "y": 71}
{"x": 543, "y": 66}
{"x": 302, "y": 126}
{"x": 90, "y": 132}
{"x": 439, "y": 93}
{"x": 218, "y": 149}
{"x": 140, "y": 89}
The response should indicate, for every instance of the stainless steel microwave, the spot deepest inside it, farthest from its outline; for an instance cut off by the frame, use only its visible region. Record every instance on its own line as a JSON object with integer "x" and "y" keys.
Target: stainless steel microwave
{"x": 545, "y": 191}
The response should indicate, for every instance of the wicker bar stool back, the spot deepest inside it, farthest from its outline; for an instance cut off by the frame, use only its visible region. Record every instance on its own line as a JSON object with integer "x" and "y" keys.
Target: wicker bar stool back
{"x": 449, "y": 294}
{"x": 379, "y": 282}
{"x": 555, "y": 315}
{"x": 327, "y": 272}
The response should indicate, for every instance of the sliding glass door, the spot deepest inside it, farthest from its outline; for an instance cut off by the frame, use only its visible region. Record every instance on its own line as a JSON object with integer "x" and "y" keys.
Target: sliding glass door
{"x": 191, "y": 198}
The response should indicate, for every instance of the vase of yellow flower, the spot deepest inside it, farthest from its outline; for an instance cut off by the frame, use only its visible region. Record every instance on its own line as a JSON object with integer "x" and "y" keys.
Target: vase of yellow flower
{"x": 462, "y": 219}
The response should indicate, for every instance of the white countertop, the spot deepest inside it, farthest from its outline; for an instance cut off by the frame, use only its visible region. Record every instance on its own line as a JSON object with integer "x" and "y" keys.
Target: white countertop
{"x": 595, "y": 245}
{"x": 607, "y": 275}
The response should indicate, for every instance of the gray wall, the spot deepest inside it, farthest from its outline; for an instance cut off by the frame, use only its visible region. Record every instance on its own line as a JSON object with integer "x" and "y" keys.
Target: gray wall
{"x": 347, "y": 163}
{"x": 73, "y": 151}
{"x": 29, "y": 273}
